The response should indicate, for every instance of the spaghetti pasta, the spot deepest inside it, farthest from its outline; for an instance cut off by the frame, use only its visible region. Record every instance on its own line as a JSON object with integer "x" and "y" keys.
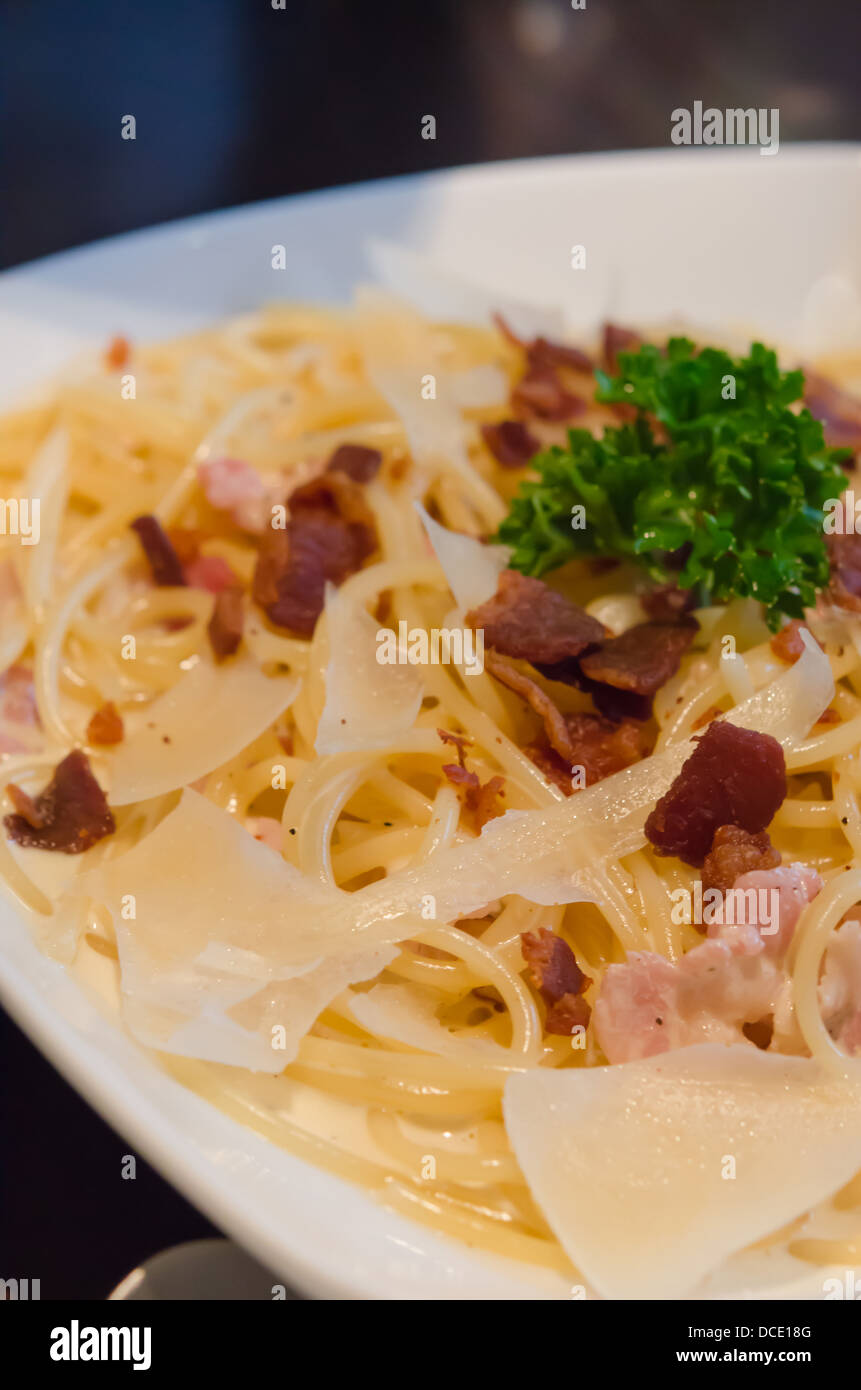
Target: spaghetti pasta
{"x": 281, "y": 390}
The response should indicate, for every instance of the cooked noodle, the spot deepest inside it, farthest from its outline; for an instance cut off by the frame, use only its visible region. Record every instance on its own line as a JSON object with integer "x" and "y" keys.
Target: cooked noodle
{"x": 283, "y": 388}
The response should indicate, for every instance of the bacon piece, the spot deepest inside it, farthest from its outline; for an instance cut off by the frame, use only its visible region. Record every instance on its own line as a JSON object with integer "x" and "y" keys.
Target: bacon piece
{"x": 642, "y": 659}
{"x": 559, "y": 979}
{"x": 567, "y": 1015}
{"x": 795, "y": 884}
{"x": 668, "y": 602}
{"x": 603, "y": 747}
{"x": 458, "y": 741}
{"x": 787, "y": 644}
{"x": 479, "y": 799}
{"x": 555, "y": 768}
{"x": 356, "y": 460}
{"x": 650, "y": 1005}
{"x": 760, "y": 1033}
{"x": 225, "y": 625}
{"x": 117, "y": 353}
{"x": 598, "y": 745}
{"x": 538, "y": 700}
{"x": 543, "y": 352}
{"x": 70, "y": 815}
{"x": 734, "y": 852}
{"x": 553, "y": 965}
{"x": 541, "y": 392}
{"x": 529, "y": 620}
{"x": 839, "y": 411}
{"x": 330, "y": 532}
{"x": 616, "y": 340}
{"x": 511, "y": 442}
{"x": 106, "y": 726}
{"x": 163, "y": 559}
{"x": 844, "y": 558}
{"x": 233, "y": 486}
{"x": 828, "y": 716}
{"x": 733, "y": 777}
{"x": 212, "y": 573}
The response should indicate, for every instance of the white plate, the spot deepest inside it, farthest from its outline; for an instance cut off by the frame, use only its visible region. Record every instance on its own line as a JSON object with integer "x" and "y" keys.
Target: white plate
{"x": 717, "y": 237}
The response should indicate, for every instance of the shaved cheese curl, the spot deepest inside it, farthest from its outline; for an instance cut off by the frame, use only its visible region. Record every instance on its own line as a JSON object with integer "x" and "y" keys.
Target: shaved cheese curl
{"x": 209, "y": 716}
{"x": 369, "y": 702}
{"x": 471, "y": 568}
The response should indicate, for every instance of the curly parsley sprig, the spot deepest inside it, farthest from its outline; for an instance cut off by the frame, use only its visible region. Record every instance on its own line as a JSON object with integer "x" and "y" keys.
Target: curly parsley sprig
{"x": 715, "y": 468}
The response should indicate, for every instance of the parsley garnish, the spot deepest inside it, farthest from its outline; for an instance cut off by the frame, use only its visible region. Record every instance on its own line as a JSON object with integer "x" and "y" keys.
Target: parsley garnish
{"x": 716, "y": 471}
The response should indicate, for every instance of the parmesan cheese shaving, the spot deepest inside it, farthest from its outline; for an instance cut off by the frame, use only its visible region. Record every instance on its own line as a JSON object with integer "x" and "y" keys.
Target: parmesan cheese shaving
{"x": 407, "y": 1014}
{"x": 202, "y": 914}
{"x": 652, "y": 1173}
{"x": 471, "y": 568}
{"x": 369, "y": 703}
{"x": 209, "y": 716}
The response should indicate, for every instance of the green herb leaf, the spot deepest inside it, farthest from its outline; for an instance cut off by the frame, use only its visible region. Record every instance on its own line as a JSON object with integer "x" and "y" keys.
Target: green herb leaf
{"x": 716, "y": 466}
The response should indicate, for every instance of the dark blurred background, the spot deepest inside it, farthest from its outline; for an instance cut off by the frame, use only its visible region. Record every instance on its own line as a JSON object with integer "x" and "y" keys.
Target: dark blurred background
{"x": 238, "y": 100}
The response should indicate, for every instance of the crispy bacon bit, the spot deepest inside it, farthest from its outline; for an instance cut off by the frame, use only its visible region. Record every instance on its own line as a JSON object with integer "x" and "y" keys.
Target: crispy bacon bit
{"x": 787, "y": 644}
{"x": 330, "y": 533}
{"x": 529, "y": 620}
{"x": 618, "y": 340}
{"x": 542, "y": 352}
{"x": 713, "y": 712}
{"x": 559, "y": 979}
{"x": 557, "y": 771}
{"x": 511, "y": 442}
{"x": 552, "y": 965}
{"x": 117, "y": 353}
{"x": 106, "y": 726}
{"x": 458, "y": 741}
{"x": 733, "y": 777}
{"x": 844, "y": 557}
{"x": 581, "y": 740}
{"x": 25, "y": 806}
{"x": 212, "y": 573}
{"x": 734, "y": 852}
{"x": 828, "y": 716}
{"x": 541, "y": 392}
{"x": 163, "y": 559}
{"x": 233, "y": 486}
{"x": 839, "y": 412}
{"x": 760, "y": 1033}
{"x": 225, "y": 625}
{"x": 478, "y": 799}
{"x": 668, "y": 602}
{"x": 70, "y": 815}
{"x": 356, "y": 460}
{"x": 567, "y": 1015}
{"x": 642, "y": 659}
{"x": 603, "y": 747}
{"x": 538, "y": 700}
